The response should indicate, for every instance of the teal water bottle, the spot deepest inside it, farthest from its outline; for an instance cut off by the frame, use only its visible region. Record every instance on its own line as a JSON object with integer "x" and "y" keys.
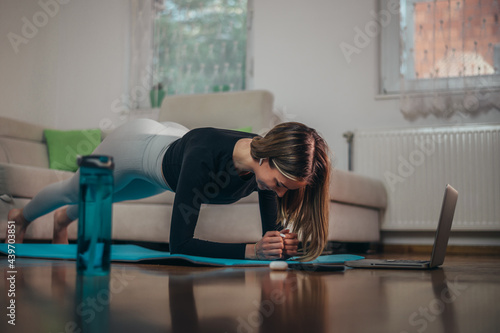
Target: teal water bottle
{"x": 95, "y": 214}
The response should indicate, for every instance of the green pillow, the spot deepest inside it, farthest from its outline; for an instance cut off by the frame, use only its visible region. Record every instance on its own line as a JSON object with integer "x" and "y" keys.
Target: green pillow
{"x": 64, "y": 146}
{"x": 247, "y": 129}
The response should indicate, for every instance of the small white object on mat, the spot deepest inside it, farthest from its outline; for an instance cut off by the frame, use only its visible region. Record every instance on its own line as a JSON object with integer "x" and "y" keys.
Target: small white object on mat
{"x": 278, "y": 266}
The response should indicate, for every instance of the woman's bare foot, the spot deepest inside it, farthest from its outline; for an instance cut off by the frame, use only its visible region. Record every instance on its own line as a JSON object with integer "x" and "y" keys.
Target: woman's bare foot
{"x": 61, "y": 223}
{"x": 21, "y": 224}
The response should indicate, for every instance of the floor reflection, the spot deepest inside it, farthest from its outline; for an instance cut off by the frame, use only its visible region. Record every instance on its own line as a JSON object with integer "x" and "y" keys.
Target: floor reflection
{"x": 400, "y": 300}
{"x": 293, "y": 301}
{"x": 91, "y": 307}
{"x": 203, "y": 302}
{"x": 280, "y": 301}
{"x": 442, "y": 306}
{"x": 51, "y": 297}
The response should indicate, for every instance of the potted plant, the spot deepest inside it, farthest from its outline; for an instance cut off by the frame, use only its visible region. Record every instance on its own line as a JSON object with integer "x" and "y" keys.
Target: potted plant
{"x": 156, "y": 95}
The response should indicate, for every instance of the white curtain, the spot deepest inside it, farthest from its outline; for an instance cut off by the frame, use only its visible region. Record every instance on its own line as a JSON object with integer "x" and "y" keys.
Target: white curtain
{"x": 141, "y": 73}
{"x": 184, "y": 47}
{"x": 450, "y": 57}
{"x": 200, "y": 46}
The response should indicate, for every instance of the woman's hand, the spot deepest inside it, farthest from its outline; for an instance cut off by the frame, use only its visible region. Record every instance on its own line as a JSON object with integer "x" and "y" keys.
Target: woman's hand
{"x": 274, "y": 246}
{"x": 270, "y": 247}
{"x": 290, "y": 244}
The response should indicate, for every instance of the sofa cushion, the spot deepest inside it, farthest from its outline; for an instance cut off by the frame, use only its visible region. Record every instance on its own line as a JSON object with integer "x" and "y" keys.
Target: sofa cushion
{"x": 65, "y": 146}
{"x": 25, "y": 152}
{"x": 22, "y": 143}
{"x": 18, "y": 129}
{"x": 249, "y": 108}
{"x": 26, "y": 181}
{"x": 355, "y": 189}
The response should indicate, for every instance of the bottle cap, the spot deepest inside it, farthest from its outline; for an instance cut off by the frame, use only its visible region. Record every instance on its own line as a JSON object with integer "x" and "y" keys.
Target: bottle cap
{"x": 96, "y": 161}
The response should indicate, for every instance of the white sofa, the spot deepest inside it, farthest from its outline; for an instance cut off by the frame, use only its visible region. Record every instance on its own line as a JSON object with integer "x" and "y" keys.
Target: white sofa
{"x": 357, "y": 202}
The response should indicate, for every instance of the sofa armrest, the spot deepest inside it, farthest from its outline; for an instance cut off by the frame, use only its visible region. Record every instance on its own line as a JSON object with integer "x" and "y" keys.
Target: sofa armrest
{"x": 351, "y": 188}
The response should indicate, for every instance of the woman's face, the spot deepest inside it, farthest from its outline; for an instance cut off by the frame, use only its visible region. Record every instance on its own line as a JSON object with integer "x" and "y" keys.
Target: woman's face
{"x": 272, "y": 180}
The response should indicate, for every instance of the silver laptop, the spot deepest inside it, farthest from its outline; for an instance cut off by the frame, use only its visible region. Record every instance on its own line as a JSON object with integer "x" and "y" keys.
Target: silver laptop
{"x": 440, "y": 241}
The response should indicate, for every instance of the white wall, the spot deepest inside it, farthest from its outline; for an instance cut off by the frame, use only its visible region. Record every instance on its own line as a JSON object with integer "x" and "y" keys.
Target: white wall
{"x": 297, "y": 56}
{"x": 70, "y": 67}
{"x": 72, "y": 70}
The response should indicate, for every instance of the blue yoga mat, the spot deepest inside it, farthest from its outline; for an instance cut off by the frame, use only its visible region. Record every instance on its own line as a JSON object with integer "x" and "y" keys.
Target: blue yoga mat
{"x": 134, "y": 253}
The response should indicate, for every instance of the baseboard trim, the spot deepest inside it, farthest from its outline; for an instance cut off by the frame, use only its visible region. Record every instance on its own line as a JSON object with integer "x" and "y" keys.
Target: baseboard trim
{"x": 427, "y": 249}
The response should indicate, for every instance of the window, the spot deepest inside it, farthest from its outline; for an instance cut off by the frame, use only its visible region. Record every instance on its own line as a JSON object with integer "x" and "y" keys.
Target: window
{"x": 200, "y": 46}
{"x": 450, "y": 39}
{"x": 447, "y": 52}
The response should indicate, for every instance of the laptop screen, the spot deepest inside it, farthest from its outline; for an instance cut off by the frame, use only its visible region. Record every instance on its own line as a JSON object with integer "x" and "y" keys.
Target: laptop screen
{"x": 444, "y": 226}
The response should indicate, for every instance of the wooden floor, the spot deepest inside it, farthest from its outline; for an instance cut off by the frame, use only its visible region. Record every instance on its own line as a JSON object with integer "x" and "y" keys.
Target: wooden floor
{"x": 463, "y": 296}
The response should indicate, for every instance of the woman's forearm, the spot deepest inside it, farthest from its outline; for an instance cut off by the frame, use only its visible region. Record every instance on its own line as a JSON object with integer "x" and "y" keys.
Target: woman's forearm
{"x": 250, "y": 251}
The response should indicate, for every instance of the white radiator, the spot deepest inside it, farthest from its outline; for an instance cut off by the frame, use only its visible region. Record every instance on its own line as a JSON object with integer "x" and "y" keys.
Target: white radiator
{"x": 416, "y": 164}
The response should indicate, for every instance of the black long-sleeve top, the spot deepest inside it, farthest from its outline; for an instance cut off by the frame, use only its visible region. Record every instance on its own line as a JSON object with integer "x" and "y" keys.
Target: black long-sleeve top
{"x": 199, "y": 168}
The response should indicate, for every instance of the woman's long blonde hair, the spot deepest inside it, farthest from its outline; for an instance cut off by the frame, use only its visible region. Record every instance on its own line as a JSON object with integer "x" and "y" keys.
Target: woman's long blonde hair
{"x": 299, "y": 153}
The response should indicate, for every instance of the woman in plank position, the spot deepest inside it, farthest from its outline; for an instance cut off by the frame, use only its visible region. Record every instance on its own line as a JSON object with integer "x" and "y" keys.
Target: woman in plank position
{"x": 289, "y": 167}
